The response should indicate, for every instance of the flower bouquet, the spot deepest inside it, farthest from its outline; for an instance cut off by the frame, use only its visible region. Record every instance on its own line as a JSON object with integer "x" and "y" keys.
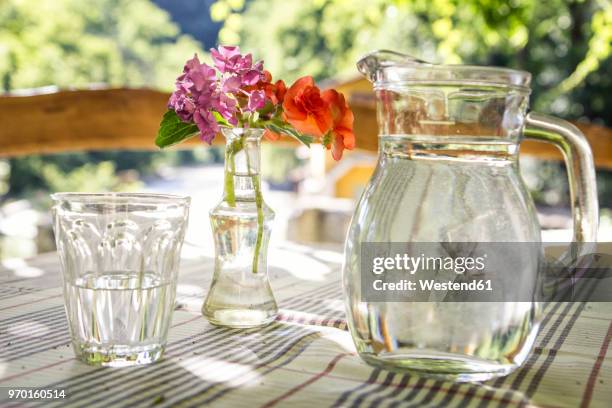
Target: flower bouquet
{"x": 237, "y": 97}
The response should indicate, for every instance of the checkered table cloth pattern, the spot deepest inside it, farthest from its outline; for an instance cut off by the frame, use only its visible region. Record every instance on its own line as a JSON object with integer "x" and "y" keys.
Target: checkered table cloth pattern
{"x": 306, "y": 358}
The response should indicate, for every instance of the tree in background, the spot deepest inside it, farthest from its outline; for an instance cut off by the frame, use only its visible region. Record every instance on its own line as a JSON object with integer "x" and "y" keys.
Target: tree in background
{"x": 564, "y": 43}
{"x": 72, "y": 44}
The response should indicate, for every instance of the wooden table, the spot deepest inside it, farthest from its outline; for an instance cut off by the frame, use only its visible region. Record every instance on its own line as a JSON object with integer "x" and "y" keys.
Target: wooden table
{"x": 306, "y": 358}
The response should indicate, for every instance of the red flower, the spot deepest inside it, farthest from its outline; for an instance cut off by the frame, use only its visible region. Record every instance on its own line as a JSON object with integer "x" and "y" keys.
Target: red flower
{"x": 305, "y": 109}
{"x": 276, "y": 92}
{"x": 323, "y": 115}
{"x": 342, "y": 128}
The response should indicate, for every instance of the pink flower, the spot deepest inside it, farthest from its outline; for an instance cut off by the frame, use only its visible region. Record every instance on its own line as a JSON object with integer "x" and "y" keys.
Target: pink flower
{"x": 226, "y": 58}
{"x": 195, "y": 86}
{"x": 203, "y": 77}
{"x": 183, "y": 105}
{"x": 230, "y": 84}
{"x": 257, "y": 100}
{"x": 230, "y": 88}
{"x": 226, "y": 106}
{"x": 251, "y": 77}
{"x": 197, "y": 95}
{"x": 207, "y": 124}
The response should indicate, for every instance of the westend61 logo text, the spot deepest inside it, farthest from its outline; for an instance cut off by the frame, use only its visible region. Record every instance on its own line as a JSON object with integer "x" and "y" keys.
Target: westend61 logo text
{"x": 412, "y": 264}
{"x": 481, "y": 272}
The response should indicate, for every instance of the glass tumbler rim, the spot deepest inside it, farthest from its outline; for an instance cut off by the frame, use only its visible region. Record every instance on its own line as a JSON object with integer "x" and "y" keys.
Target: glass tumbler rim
{"x": 122, "y": 198}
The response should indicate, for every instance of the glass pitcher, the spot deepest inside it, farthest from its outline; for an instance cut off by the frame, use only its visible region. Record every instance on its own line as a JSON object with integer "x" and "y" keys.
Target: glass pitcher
{"x": 448, "y": 172}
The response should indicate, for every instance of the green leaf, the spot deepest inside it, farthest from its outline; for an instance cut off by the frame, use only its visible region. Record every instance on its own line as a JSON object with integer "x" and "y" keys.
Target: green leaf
{"x": 288, "y": 130}
{"x": 173, "y": 130}
{"x": 327, "y": 139}
{"x": 220, "y": 119}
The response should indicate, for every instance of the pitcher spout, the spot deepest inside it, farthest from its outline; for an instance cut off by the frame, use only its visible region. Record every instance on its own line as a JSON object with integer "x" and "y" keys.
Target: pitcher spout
{"x": 370, "y": 65}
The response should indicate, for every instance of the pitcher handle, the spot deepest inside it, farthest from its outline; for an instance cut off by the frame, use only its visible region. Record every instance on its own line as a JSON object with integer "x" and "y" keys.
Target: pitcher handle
{"x": 580, "y": 171}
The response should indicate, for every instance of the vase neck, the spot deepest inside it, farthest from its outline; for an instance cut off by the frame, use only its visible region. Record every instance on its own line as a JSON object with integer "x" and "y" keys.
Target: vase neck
{"x": 242, "y": 163}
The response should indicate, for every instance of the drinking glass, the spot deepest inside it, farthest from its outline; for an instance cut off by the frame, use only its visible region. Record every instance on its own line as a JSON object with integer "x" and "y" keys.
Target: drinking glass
{"x": 120, "y": 258}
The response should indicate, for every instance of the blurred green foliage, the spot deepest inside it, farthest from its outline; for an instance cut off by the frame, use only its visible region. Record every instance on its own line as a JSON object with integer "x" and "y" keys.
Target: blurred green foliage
{"x": 565, "y": 44}
{"x": 89, "y": 177}
{"x": 279, "y": 161}
{"x": 76, "y": 171}
{"x": 72, "y": 44}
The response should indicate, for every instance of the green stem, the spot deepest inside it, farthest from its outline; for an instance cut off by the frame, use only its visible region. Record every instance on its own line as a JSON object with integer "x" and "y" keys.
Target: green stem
{"x": 260, "y": 220}
{"x": 230, "y": 195}
{"x": 260, "y": 215}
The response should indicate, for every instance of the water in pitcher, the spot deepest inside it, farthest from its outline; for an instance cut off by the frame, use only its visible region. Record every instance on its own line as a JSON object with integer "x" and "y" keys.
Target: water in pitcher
{"x": 119, "y": 316}
{"x": 451, "y": 337}
{"x": 430, "y": 188}
{"x": 467, "y": 148}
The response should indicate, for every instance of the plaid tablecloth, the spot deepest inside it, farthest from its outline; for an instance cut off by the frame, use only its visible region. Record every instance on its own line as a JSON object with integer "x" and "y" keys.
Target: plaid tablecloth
{"x": 305, "y": 358}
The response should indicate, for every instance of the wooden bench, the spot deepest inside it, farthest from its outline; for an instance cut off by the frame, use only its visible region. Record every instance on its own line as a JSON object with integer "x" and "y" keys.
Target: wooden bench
{"x": 102, "y": 119}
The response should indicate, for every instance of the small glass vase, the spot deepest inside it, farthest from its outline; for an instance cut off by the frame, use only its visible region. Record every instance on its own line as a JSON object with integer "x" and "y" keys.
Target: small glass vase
{"x": 240, "y": 295}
